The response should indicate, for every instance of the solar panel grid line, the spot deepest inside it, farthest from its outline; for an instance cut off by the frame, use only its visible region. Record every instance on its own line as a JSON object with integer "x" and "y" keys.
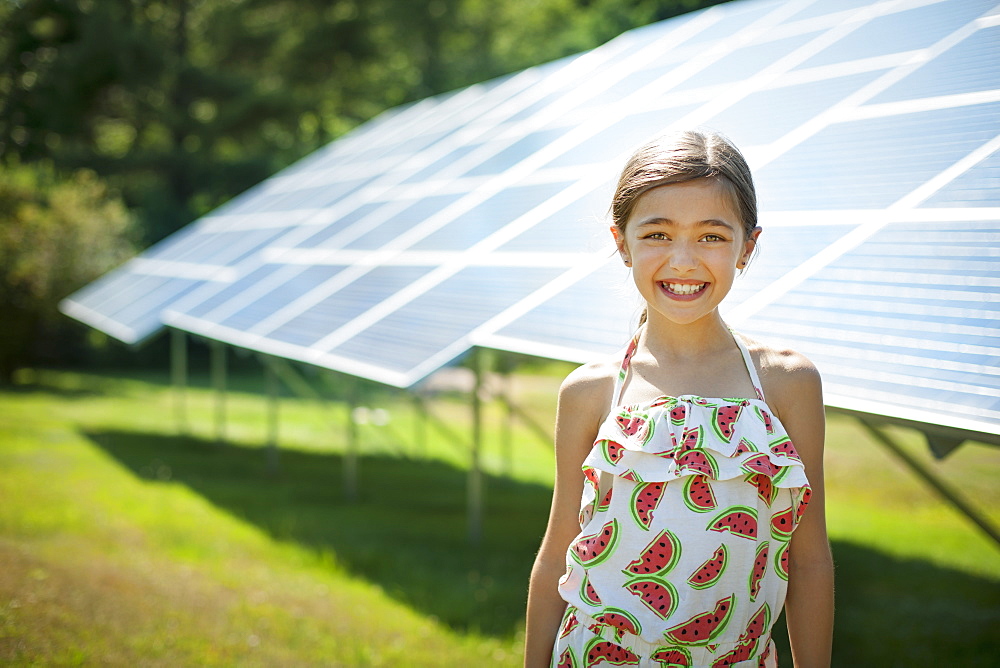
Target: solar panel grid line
{"x": 925, "y": 410}
{"x": 903, "y": 360}
{"x": 99, "y": 321}
{"x": 802, "y": 330}
{"x": 203, "y": 272}
{"x": 853, "y": 217}
{"x": 940, "y": 413}
{"x": 846, "y": 106}
{"x": 817, "y": 73}
{"x": 432, "y": 258}
{"x": 823, "y": 310}
{"x": 539, "y": 348}
{"x": 385, "y": 186}
{"x": 857, "y": 236}
{"x": 490, "y": 243}
{"x": 736, "y": 92}
{"x": 247, "y": 296}
{"x": 917, "y": 380}
{"x": 584, "y": 267}
{"x": 921, "y": 104}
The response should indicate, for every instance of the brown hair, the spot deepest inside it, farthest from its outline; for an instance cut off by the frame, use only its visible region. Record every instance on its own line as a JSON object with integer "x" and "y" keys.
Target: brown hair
{"x": 685, "y": 156}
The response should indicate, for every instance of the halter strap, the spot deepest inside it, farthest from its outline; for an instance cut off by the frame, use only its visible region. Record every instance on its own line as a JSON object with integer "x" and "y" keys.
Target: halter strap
{"x": 616, "y": 396}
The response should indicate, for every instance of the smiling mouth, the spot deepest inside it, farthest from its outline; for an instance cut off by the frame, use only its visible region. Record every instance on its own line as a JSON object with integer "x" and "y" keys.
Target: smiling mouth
{"x": 683, "y": 289}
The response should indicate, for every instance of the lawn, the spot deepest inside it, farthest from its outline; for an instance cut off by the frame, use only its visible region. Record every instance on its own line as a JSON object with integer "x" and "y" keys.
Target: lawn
{"x": 123, "y": 542}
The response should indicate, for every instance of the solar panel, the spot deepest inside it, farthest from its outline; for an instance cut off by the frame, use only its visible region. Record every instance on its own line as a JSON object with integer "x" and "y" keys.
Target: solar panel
{"x": 479, "y": 217}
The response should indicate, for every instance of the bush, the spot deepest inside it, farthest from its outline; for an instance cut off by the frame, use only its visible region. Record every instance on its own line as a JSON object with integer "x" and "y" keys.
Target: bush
{"x": 56, "y": 235}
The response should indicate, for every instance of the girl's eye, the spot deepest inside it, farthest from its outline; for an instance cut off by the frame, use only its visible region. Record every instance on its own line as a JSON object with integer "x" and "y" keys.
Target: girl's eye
{"x": 656, "y": 235}
{"x": 714, "y": 237}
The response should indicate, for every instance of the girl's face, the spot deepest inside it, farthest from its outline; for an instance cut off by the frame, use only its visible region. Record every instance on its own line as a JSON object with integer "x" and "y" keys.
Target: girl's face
{"x": 686, "y": 244}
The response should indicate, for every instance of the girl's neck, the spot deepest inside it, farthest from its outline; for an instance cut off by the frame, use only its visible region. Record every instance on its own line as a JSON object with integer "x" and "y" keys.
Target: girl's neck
{"x": 665, "y": 339}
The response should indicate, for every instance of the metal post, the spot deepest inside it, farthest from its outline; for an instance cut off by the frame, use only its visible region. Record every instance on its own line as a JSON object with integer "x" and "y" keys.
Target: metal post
{"x": 178, "y": 372}
{"x": 219, "y": 383}
{"x": 351, "y": 449}
{"x": 475, "y": 483}
{"x": 940, "y": 486}
{"x": 420, "y": 419}
{"x": 507, "y": 435}
{"x": 273, "y": 454}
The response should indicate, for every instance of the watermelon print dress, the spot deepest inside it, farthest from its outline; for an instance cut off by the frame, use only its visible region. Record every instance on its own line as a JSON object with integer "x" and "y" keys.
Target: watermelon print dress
{"x": 688, "y": 507}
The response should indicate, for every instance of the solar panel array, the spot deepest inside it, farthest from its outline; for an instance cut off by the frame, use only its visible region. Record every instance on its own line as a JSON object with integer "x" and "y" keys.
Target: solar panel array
{"x": 477, "y": 217}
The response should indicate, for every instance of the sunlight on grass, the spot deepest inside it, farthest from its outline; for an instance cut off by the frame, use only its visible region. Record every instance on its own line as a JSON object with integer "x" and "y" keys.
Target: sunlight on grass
{"x": 122, "y": 542}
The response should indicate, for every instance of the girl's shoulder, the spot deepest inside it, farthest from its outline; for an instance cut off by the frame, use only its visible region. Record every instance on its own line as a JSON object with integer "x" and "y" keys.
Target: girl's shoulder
{"x": 587, "y": 390}
{"x": 787, "y": 377}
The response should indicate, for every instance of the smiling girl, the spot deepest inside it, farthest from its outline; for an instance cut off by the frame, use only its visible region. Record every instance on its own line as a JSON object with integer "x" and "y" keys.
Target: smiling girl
{"x": 688, "y": 507}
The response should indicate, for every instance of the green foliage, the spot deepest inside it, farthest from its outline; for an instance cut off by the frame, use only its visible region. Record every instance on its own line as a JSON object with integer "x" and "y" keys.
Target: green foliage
{"x": 56, "y": 235}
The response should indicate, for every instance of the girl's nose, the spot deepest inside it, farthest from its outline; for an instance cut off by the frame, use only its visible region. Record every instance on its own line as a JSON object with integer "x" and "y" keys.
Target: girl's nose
{"x": 682, "y": 257}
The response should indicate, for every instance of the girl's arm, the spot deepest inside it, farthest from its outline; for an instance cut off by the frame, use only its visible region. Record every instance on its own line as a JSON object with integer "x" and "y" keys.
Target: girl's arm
{"x": 583, "y": 398}
{"x": 809, "y": 603}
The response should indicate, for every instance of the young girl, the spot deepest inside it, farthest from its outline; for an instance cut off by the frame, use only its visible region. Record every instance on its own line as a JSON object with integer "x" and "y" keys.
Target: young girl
{"x": 696, "y": 453}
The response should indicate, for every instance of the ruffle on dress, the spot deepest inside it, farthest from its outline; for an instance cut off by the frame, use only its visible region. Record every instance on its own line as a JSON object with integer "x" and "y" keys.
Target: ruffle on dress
{"x": 676, "y": 437}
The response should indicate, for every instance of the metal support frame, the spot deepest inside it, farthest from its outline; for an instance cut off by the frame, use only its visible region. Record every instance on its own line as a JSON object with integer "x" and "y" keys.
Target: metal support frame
{"x": 178, "y": 375}
{"x": 351, "y": 448}
{"x": 475, "y": 479}
{"x": 273, "y": 424}
{"x": 940, "y": 486}
{"x": 219, "y": 383}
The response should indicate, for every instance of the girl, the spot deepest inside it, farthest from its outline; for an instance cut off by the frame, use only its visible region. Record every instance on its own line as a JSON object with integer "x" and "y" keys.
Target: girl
{"x": 679, "y": 525}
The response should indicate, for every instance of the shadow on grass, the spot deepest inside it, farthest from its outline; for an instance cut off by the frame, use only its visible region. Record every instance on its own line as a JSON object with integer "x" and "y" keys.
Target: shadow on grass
{"x": 407, "y": 533}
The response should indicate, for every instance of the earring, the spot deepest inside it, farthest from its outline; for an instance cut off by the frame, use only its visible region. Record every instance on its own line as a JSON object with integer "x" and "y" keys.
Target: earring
{"x": 628, "y": 262}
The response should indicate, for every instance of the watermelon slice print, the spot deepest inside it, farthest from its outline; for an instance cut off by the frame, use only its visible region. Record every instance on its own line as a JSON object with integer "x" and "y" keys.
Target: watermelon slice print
{"x": 659, "y": 556}
{"x": 636, "y": 426}
{"x": 602, "y": 652}
{"x": 645, "y": 499}
{"x": 709, "y": 572}
{"x": 595, "y": 548}
{"x": 765, "y": 417}
{"x": 612, "y": 451}
{"x": 804, "y": 495}
{"x": 766, "y": 490}
{"x": 691, "y": 439}
{"x": 702, "y": 629}
{"x": 698, "y": 462}
{"x": 656, "y": 594}
{"x": 621, "y": 621}
{"x": 677, "y": 414}
{"x": 606, "y": 501}
{"x": 781, "y": 562}
{"x": 724, "y": 421}
{"x": 587, "y": 592}
{"x": 737, "y": 520}
{"x": 759, "y": 570}
{"x": 782, "y": 525}
{"x": 760, "y": 464}
{"x": 784, "y": 447}
{"x": 567, "y": 659}
{"x": 632, "y": 475}
{"x": 698, "y": 494}
{"x": 569, "y": 622}
{"x": 745, "y": 446}
{"x": 672, "y": 657}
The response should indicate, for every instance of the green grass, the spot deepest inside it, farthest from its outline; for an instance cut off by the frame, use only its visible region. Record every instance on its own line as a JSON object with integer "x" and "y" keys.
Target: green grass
{"x": 122, "y": 542}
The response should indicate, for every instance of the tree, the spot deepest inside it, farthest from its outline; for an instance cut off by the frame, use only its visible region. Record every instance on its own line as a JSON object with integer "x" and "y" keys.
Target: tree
{"x": 56, "y": 235}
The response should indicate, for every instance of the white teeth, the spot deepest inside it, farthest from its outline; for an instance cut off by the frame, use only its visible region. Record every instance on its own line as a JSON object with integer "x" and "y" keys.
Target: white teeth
{"x": 684, "y": 288}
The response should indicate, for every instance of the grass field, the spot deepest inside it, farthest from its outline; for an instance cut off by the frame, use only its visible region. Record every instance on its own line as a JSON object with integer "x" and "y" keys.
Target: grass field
{"x": 124, "y": 543}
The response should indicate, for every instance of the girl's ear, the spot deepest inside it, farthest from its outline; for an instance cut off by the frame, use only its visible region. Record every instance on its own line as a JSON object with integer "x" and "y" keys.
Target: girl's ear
{"x": 748, "y": 247}
{"x": 622, "y": 247}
